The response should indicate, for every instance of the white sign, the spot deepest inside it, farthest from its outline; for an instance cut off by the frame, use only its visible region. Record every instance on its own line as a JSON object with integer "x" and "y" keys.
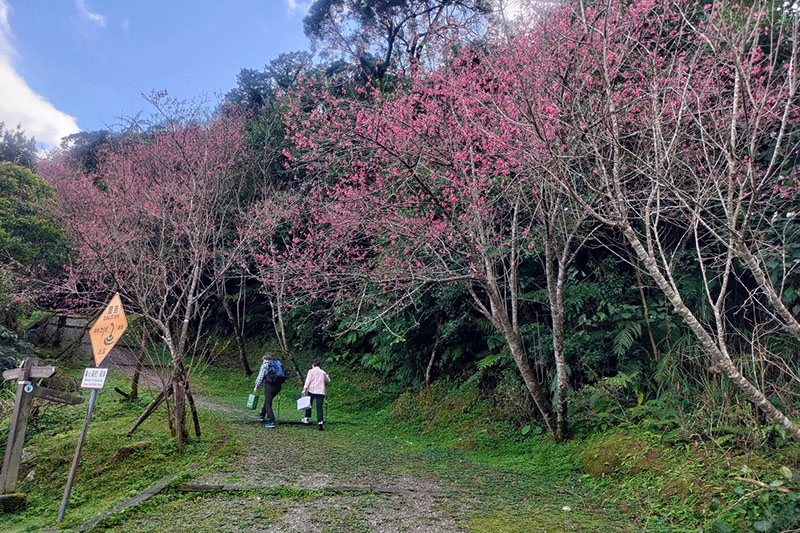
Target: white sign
{"x": 94, "y": 378}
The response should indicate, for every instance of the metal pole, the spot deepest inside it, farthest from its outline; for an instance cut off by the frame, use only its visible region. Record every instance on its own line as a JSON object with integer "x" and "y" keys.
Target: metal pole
{"x": 77, "y": 457}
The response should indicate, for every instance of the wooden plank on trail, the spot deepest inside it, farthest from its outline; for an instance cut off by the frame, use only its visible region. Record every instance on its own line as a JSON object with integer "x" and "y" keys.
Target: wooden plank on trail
{"x": 237, "y": 487}
{"x": 158, "y": 487}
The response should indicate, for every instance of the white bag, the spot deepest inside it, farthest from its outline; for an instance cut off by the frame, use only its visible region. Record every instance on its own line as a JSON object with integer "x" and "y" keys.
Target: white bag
{"x": 304, "y": 402}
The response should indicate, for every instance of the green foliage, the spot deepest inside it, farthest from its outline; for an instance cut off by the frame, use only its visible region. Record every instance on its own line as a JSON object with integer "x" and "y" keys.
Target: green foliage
{"x": 32, "y": 243}
{"x": 399, "y": 347}
{"x": 12, "y": 349}
{"x": 85, "y": 147}
{"x": 628, "y": 333}
{"x": 105, "y": 475}
{"x": 604, "y": 404}
{"x": 771, "y": 508}
{"x": 256, "y": 90}
{"x": 16, "y": 147}
{"x": 29, "y": 233}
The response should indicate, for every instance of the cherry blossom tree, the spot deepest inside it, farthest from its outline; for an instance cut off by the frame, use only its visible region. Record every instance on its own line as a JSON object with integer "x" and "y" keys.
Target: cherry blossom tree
{"x": 151, "y": 222}
{"x": 412, "y": 189}
{"x": 266, "y": 241}
{"x": 670, "y": 123}
{"x": 680, "y": 120}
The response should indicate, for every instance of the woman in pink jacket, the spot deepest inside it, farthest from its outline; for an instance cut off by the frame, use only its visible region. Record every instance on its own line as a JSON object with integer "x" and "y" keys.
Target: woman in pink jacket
{"x": 316, "y": 379}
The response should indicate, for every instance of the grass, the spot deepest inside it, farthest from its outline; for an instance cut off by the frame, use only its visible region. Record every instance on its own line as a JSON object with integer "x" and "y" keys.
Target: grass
{"x": 451, "y": 433}
{"x": 105, "y": 477}
{"x": 496, "y": 479}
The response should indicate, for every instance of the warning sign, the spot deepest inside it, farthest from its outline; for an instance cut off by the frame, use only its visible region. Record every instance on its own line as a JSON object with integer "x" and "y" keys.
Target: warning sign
{"x": 108, "y": 329}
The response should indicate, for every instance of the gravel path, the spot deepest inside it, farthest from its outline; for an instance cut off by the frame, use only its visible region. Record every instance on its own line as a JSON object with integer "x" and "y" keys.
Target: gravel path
{"x": 295, "y": 478}
{"x": 299, "y": 479}
{"x": 351, "y": 478}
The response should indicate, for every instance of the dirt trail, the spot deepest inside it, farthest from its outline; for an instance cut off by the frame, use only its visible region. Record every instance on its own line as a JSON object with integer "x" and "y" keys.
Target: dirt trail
{"x": 302, "y": 480}
{"x": 311, "y": 481}
{"x": 124, "y": 359}
{"x": 349, "y": 478}
{"x": 357, "y": 491}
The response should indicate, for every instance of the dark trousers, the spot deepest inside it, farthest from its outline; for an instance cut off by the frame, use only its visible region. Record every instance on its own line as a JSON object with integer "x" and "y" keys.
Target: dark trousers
{"x": 318, "y": 399}
{"x": 270, "y": 391}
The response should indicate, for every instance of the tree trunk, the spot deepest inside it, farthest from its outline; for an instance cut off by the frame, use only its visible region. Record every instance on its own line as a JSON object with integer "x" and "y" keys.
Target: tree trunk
{"x": 497, "y": 313}
{"x": 555, "y": 271}
{"x": 237, "y": 333}
{"x": 137, "y": 369}
{"x": 432, "y": 358}
{"x": 645, "y": 310}
{"x": 195, "y": 418}
{"x": 179, "y": 410}
{"x": 557, "y": 316}
{"x": 521, "y": 359}
{"x": 430, "y": 364}
{"x": 720, "y": 360}
{"x": 243, "y": 355}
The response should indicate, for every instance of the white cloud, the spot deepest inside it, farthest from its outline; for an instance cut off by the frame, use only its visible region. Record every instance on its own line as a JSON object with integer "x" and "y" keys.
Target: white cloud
{"x": 19, "y": 104}
{"x": 521, "y": 10}
{"x": 292, "y": 6}
{"x": 94, "y": 18}
{"x": 5, "y": 29}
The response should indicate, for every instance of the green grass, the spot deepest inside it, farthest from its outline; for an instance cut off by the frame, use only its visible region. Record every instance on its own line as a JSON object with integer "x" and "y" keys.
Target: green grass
{"x": 499, "y": 479}
{"x": 104, "y": 478}
{"x": 448, "y": 434}
{"x": 451, "y": 433}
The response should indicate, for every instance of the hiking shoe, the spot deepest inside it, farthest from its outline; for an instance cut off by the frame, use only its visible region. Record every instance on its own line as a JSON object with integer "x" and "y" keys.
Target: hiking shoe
{"x": 304, "y": 420}
{"x": 269, "y": 425}
{"x": 260, "y": 418}
{"x": 320, "y": 426}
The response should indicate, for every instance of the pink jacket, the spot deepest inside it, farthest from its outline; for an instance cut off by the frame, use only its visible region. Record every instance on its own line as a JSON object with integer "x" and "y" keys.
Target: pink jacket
{"x": 316, "y": 380}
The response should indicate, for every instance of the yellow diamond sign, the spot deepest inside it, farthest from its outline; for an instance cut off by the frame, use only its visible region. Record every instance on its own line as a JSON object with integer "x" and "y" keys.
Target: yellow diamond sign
{"x": 108, "y": 329}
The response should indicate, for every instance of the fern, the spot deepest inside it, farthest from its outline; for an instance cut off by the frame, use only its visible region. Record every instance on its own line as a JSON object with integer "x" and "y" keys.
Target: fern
{"x": 624, "y": 339}
{"x": 489, "y": 360}
{"x": 621, "y": 381}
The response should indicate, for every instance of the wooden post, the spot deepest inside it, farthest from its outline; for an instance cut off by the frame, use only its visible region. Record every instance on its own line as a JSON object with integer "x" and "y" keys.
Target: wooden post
{"x": 26, "y": 390}
{"x": 16, "y": 431}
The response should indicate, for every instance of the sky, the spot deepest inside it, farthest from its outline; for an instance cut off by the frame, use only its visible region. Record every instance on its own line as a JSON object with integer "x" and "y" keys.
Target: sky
{"x": 72, "y": 65}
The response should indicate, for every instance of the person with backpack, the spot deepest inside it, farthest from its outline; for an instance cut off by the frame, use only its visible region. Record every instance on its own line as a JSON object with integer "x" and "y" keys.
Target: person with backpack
{"x": 316, "y": 379}
{"x": 272, "y": 376}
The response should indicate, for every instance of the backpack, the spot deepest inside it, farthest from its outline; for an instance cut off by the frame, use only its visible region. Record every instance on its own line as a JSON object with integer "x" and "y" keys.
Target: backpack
{"x": 275, "y": 372}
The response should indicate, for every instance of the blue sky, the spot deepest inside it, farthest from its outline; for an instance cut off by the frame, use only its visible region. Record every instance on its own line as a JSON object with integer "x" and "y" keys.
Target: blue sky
{"x": 80, "y": 64}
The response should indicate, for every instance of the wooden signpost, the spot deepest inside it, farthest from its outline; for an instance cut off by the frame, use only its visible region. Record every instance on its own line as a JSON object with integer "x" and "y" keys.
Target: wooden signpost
{"x": 28, "y": 371}
{"x": 104, "y": 335}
